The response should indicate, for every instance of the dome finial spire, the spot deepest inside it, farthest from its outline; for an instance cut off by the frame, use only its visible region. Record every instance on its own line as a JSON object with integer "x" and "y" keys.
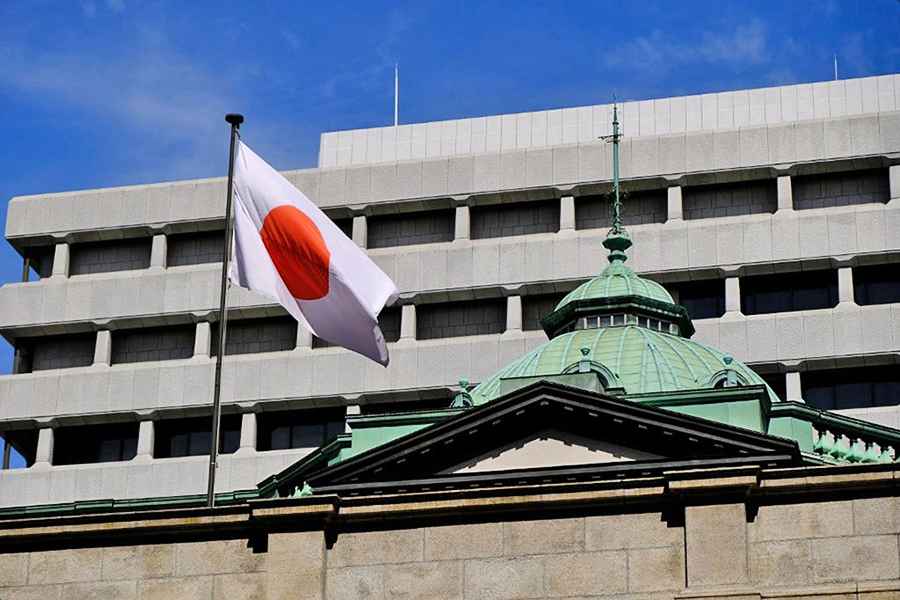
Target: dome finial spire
{"x": 617, "y": 240}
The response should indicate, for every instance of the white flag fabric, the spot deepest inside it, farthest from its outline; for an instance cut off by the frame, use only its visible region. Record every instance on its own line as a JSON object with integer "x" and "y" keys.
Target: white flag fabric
{"x": 288, "y": 250}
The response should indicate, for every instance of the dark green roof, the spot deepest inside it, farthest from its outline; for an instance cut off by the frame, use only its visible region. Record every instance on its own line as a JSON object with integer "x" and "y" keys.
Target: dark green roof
{"x": 617, "y": 280}
{"x": 637, "y": 359}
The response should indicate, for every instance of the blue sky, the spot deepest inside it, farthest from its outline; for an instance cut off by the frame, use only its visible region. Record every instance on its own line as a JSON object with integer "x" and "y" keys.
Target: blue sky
{"x": 111, "y": 92}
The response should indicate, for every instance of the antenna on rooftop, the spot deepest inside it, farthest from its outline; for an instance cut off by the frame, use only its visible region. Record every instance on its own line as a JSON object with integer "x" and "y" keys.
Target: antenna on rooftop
{"x": 835, "y": 67}
{"x": 614, "y": 138}
{"x": 396, "y": 94}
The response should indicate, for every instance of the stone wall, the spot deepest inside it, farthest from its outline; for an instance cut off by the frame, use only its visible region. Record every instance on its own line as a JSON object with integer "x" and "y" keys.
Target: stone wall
{"x": 836, "y": 549}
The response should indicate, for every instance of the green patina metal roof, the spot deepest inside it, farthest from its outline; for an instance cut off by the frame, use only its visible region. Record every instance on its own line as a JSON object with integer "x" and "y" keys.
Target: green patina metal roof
{"x": 617, "y": 280}
{"x": 637, "y": 359}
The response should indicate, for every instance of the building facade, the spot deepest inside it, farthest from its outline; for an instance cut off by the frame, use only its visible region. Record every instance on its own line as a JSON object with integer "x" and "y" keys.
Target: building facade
{"x": 772, "y": 215}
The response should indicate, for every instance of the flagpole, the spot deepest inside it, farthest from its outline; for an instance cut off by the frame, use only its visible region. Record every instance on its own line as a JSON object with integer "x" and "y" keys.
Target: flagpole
{"x": 235, "y": 121}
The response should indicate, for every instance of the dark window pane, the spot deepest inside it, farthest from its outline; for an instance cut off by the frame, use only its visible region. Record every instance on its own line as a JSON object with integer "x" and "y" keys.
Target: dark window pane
{"x": 251, "y": 336}
{"x": 877, "y": 284}
{"x": 158, "y": 343}
{"x": 856, "y": 387}
{"x": 345, "y": 224}
{"x": 777, "y": 382}
{"x": 785, "y": 292}
{"x": 410, "y": 228}
{"x": 452, "y": 319}
{"x": 41, "y": 260}
{"x": 536, "y": 307}
{"x": 730, "y": 199}
{"x": 55, "y": 352}
{"x": 22, "y": 441}
{"x": 498, "y": 220}
{"x": 381, "y": 408}
{"x": 298, "y": 429}
{"x": 116, "y": 255}
{"x": 389, "y": 321}
{"x": 94, "y": 443}
{"x": 192, "y": 437}
{"x": 840, "y": 189}
{"x": 703, "y": 299}
{"x": 195, "y": 248}
{"x": 638, "y": 208}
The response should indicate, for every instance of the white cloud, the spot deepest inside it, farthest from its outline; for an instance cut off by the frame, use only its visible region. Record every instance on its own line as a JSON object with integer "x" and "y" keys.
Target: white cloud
{"x": 745, "y": 43}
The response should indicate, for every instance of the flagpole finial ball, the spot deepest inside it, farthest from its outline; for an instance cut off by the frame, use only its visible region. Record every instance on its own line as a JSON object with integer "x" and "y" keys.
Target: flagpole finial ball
{"x": 234, "y": 119}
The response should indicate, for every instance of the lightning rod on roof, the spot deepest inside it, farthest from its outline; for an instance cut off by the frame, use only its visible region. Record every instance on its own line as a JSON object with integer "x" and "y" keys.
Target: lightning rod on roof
{"x": 835, "y": 67}
{"x": 396, "y": 94}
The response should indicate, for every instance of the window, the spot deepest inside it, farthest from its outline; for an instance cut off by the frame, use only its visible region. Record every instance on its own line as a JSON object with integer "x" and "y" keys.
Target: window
{"x": 877, "y": 284}
{"x": 452, "y": 319}
{"x": 730, "y": 199}
{"x": 858, "y": 387}
{"x": 95, "y": 443}
{"x": 18, "y": 448}
{"x": 536, "y": 307}
{"x": 840, "y": 189}
{"x": 345, "y": 224}
{"x": 55, "y": 352}
{"x": 383, "y": 408}
{"x": 103, "y": 257}
{"x": 192, "y": 437}
{"x": 785, "y": 292}
{"x": 638, "y": 208}
{"x": 777, "y": 382}
{"x": 499, "y": 220}
{"x": 195, "y": 248}
{"x": 410, "y": 228}
{"x": 40, "y": 260}
{"x": 298, "y": 429}
{"x": 703, "y": 299}
{"x": 388, "y": 320}
{"x": 157, "y": 343}
{"x": 251, "y": 336}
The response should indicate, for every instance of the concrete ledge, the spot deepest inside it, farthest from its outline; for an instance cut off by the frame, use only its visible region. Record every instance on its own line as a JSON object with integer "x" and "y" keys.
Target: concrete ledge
{"x": 180, "y": 205}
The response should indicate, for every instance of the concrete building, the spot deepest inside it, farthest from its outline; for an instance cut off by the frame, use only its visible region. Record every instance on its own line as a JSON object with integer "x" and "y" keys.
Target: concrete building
{"x": 621, "y": 457}
{"x": 773, "y": 215}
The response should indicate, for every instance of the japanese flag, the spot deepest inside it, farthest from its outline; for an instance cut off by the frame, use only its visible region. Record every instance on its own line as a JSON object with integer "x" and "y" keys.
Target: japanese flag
{"x": 286, "y": 249}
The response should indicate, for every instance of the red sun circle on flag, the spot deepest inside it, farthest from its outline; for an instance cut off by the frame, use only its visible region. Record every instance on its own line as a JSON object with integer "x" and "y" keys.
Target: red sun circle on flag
{"x": 298, "y": 251}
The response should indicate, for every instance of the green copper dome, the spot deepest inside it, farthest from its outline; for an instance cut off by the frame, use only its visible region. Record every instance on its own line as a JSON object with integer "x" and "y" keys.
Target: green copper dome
{"x": 635, "y": 358}
{"x": 617, "y": 280}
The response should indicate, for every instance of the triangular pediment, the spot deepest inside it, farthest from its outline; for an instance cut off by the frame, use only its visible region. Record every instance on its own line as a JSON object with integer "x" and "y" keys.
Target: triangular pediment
{"x": 543, "y": 431}
{"x": 551, "y": 448}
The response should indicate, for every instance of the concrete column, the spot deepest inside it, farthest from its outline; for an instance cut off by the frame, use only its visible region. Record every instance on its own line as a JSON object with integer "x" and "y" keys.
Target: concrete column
{"x": 360, "y": 231}
{"x": 304, "y": 337}
{"x": 145, "y": 442}
{"x": 103, "y": 347}
{"x": 793, "y": 389}
{"x": 675, "y": 206}
{"x": 408, "y": 322}
{"x": 203, "y": 339}
{"x": 352, "y": 411}
{"x": 462, "y": 223}
{"x": 732, "y": 295}
{"x": 43, "y": 458}
{"x": 513, "y": 314}
{"x": 785, "y": 193}
{"x": 60, "y": 261}
{"x": 845, "y": 286}
{"x": 158, "y": 252}
{"x": 567, "y": 213}
{"x": 248, "y": 433}
{"x": 894, "y": 176}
